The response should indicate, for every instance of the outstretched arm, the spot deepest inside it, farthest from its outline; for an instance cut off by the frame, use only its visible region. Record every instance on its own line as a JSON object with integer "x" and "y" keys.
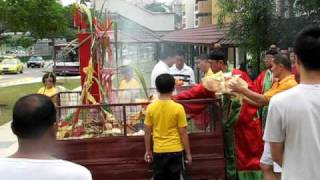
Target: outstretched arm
{"x": 252, "y": 97}
{"x": 196, "y": 92}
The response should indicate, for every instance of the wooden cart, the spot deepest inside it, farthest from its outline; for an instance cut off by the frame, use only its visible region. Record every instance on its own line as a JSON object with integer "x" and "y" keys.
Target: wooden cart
{"x": 120, "y": 156}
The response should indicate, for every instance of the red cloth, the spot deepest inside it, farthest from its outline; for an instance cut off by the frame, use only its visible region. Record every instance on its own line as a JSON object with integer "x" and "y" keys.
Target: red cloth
{"x": 248, "y": 133}
{"x": 248, "y": 138}
{"x": 196, "y": 111}
{"x": 259, "y": 83}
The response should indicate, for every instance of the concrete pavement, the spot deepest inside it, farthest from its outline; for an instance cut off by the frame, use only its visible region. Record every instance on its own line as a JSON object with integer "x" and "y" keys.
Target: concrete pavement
{"x": 8, "y": 141}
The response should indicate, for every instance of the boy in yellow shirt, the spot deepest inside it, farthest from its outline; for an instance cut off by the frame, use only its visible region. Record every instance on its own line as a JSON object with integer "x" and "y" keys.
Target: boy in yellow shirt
{"x": 167, "y": 122}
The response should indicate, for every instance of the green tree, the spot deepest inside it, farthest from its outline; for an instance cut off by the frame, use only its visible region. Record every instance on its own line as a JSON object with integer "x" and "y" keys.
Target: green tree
{"x": 25, "y": 42}
{"x": 42, "y": 18}
{"x": 2, "y": 15}
{"x": 251, "y": 23}
{"x": 294, "y": 16}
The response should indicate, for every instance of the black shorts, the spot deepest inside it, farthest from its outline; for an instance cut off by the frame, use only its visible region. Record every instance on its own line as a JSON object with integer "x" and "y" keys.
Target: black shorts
{"x": 168, "y": 166}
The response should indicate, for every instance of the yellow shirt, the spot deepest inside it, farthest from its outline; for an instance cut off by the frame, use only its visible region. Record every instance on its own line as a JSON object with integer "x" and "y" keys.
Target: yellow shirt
{"x": 132, "y": 84}
{"x": 166, "y": 117}
{"x": 277, "y": 87}
{"x": 208, "y": 73}
{"x": 48, "y": 92}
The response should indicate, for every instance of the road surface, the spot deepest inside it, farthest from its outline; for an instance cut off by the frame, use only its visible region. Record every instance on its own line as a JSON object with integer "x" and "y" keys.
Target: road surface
{"x": 29, "y": 75}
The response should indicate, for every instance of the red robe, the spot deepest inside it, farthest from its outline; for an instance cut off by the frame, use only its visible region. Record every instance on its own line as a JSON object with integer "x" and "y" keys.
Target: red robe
{"x": 258, "y": 83}
{"x": 247, "y": 131}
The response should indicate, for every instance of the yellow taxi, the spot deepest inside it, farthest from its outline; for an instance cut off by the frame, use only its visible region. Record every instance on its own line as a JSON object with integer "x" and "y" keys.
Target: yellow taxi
{"x": 11, "y": 65}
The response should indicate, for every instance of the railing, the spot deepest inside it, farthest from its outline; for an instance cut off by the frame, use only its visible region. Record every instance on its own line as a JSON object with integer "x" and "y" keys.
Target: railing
{"x": 126, "y": 119}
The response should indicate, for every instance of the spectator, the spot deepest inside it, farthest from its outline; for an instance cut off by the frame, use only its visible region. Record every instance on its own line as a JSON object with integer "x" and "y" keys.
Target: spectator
{"x": 294, "y": 69}
{"x": 180, "y": 71}
{"x": 34, "y": 118}
{"x": 293, "y": 119}
{"x": 166, "y": 120}
{"x": 264, "y": 82}
{"x": 204, "y": 65}
{"x": 163, "y": 66}
{"x": 49, "y": 85}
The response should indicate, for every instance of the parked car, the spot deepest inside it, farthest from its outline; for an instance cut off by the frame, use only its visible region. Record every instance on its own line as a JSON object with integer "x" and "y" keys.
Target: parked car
{"x": 35, "y": 61}
{"x": 11, "y": 65}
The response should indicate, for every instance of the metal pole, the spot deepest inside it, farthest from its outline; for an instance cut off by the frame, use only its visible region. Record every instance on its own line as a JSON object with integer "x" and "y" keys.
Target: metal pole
{"x": 116, "y": 47}
{"x": 124, "y": 120}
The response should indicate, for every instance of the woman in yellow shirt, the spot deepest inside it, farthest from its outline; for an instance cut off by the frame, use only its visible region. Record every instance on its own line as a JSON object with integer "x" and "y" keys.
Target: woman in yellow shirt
{"x": 49, "y": 89}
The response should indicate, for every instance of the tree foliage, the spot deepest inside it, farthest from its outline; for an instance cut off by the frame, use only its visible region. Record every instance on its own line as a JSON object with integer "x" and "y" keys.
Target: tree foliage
{"x": 42, "y": 18}
{"x": 256, "y": 24}
{"x": 250, "y": 24}
{"x": 24, "y": 42}
{"x": 296, "y": 15}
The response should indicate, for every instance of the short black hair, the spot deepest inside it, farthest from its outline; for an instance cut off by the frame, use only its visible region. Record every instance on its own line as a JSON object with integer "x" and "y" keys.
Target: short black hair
{"x": 307, "y": 48}
{"x": 203, "y": 57}
{"x": 165, "y": 83}
{"x": 180, "y": 52}
{"x": 216, "y": 55}
{"x": 283, "y": 59}
{"x": 32, "y": 116}
{"x": 47, "y": 75}
{"x": 272, "y": 52}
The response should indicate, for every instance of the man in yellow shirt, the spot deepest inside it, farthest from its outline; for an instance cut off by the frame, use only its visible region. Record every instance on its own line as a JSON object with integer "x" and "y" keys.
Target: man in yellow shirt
{"x": 167, "y": 122}
{"x": 128, "y": 86}
{"x": 204, "y": 65}
{"x": 128, "y": 81}
{"x": 284, "y": 80}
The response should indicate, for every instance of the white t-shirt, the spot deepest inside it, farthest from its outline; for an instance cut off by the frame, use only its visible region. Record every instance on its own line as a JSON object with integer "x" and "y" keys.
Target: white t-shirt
{"x": 159, "y": 68}
{"x": 34, "y": 169}
{"x": 185, "y": 74}
{"x": 294, "y": 118}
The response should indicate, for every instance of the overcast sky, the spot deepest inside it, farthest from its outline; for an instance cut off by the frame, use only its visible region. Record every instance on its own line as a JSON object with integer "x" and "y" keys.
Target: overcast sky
{"x": 67, "y": 2}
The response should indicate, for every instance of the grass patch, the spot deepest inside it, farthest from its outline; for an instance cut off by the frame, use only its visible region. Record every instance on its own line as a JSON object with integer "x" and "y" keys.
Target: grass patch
{"x": 9, "y": 95}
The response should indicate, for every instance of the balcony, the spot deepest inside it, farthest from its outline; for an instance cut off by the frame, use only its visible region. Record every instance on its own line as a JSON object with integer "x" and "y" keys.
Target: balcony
{"x": 204, "y": 6}
{"x": 204, "y": 21}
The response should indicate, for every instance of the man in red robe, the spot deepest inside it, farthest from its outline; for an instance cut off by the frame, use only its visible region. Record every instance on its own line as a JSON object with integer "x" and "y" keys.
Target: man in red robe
{"x": 264, "y": 82}
{"x": 242, "y": 134}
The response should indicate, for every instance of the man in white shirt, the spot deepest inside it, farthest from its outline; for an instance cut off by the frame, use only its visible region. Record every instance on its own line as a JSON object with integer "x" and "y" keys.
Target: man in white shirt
{"x": 180, "y": 71}
{"x": 162, "y": 67}
{"x": 34, "y": 118}
{"x": 293, "y": 121}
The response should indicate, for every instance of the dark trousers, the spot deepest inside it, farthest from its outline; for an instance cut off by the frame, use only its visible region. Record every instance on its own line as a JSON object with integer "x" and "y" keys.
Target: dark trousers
{"x": 168, "y": 166}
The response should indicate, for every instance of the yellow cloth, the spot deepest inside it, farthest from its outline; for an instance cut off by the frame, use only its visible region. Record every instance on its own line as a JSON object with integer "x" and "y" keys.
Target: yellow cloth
{"x": 131, "y": 84}
{"x": 277, "y": 87}
{"x": 48, "y": 92}
{"x": 166, "y": 117}
{"x": 208, "y": 73}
